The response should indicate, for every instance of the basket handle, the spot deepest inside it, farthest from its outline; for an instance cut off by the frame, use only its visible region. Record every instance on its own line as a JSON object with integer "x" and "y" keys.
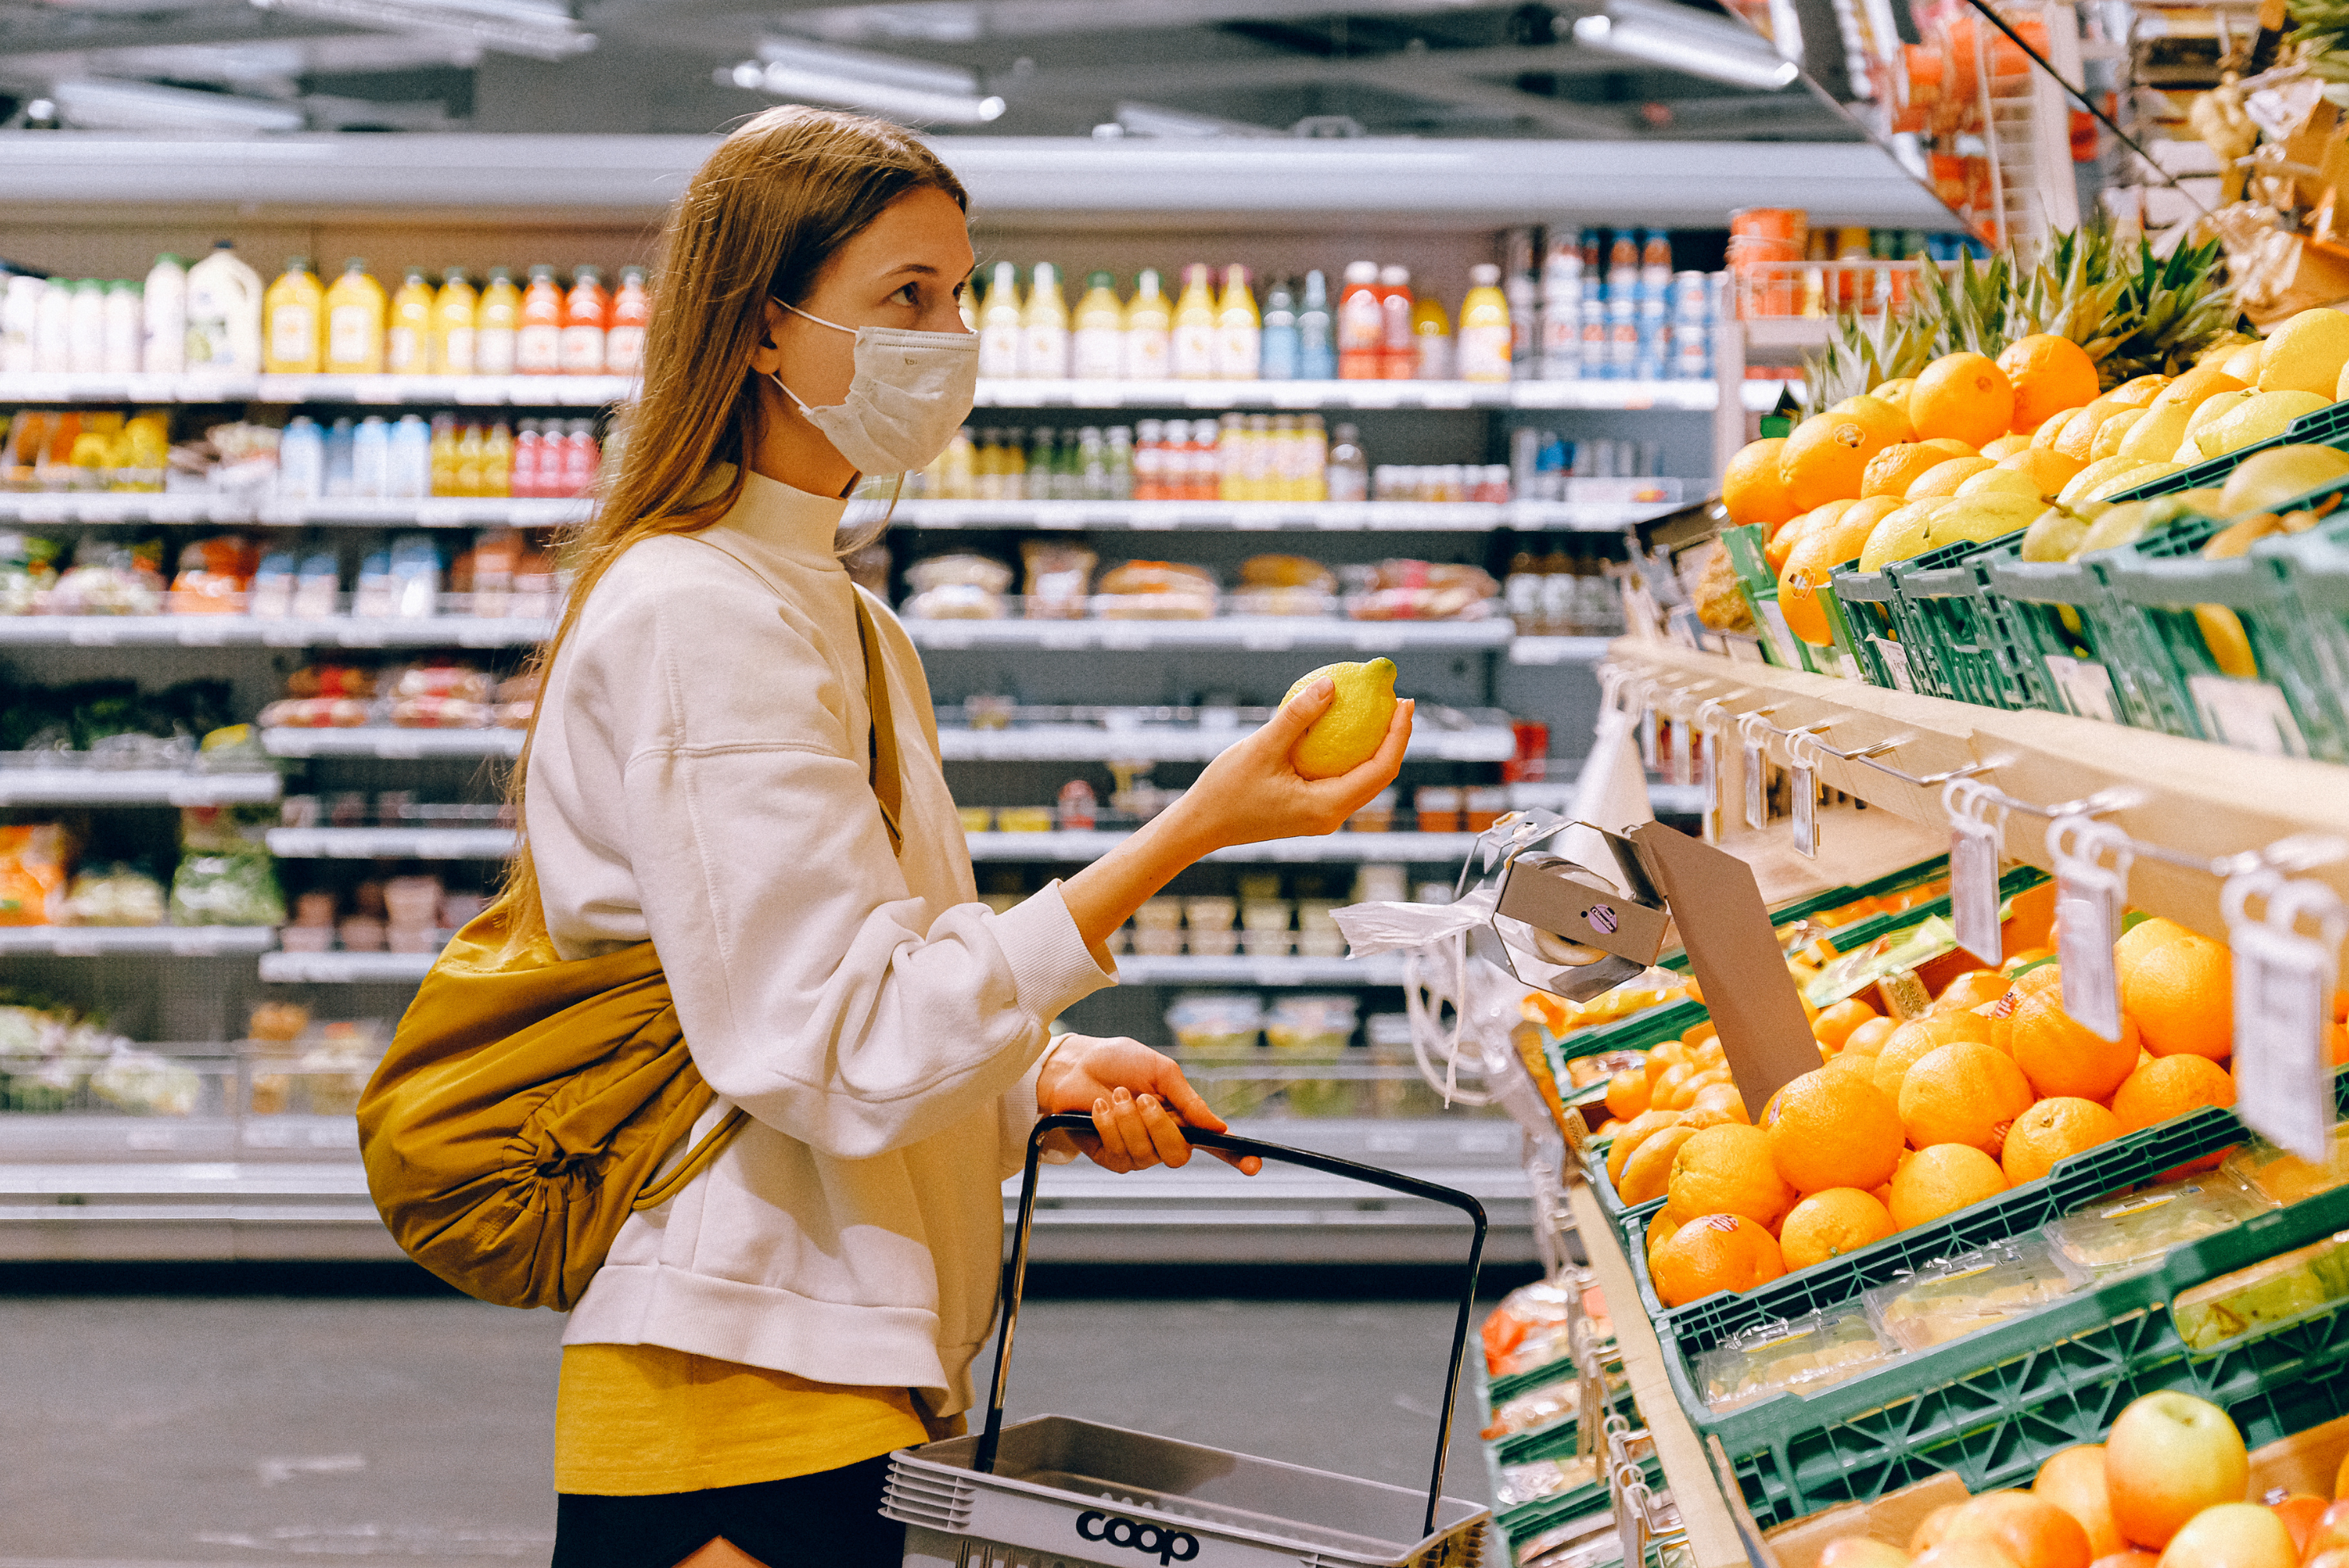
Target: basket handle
{"x": 983, "y": 1459}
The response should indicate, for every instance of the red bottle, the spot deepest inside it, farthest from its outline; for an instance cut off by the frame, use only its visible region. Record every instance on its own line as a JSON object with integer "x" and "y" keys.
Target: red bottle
{"x": 538, "y": 346}
{"x": 586, "y": 312}
{"x": 526, "y": 453}
{"x": 580, "y": 457}
{"x": 624, "y": 340}
{"x": 1399, "y": 346}
{"x": 1361, "y": 324}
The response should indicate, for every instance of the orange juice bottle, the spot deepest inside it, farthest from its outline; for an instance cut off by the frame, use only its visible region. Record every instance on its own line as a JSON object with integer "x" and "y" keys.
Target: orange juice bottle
{"x": 1239, "y": 330}
{"x": 586, "y": 313}
{"x": 407, "y": 347}
{"x": 1149, "y": 330}
{"x": 469, "y": 461}
{"x": 1484, "y": 327}
{"x": 1194, "y": 345}
{"x": 497, "y": 460}
{"x": 538, "y": 337}
{"x": 293, "y": 313}
{"x": 453, "y": 339}
{"x": 355, "y": 322}
{"x": 624, "y": 340}
{"x": 497, "y": 325}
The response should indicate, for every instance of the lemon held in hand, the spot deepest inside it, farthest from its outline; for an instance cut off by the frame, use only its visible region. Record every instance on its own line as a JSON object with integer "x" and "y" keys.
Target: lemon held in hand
{"x": 1349, "y": 734}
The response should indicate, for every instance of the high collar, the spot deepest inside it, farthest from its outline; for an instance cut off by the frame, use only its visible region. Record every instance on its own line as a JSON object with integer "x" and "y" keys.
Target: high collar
{"x": 791, "y": 523}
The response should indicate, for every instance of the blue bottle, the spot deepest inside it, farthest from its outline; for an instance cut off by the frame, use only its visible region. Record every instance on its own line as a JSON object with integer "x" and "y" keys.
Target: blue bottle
{"x": 302, "y": 459}
{"x": 338, "y": 458}
{"x": 1278, "y": 359}
{"x": 1316, "y": 345}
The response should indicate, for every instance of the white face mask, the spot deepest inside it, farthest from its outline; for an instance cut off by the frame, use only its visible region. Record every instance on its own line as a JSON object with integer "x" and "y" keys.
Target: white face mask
{"x": 911, "y": 392}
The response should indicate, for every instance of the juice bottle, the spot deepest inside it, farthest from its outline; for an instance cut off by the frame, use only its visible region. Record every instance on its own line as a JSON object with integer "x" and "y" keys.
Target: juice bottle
{"x": 1361, "y": 325}
{"x": 586, "y": 312}
{"x": 1484, "y": 327}
{"x": 1001, "y": 324}
{"x": 469, "y": 461}
{"x": 86, "y": 329}
{"x": 1656, "y": 262}
{"x": 1193, "y": 347}
{"x": 1399, "y": 359}
{"x": 497, "y": 326}
{"x": 521, "y": 472}
{"x": 293, "y": 309}
{"x": 1149, "y": 331}
{"x": 1097, "y": 349}
{"x": 624, "y": 340}
{"x": 224, "y": 314}
{"x": 453, "y": 337}
{"x": 1277, "y": 360}
{"x": 1239, "y": 330}
{"x": 538, "y": 335}
{"x": 1314, "y": 461}
{"x": 1623, "y": 266}
{"x": 580, "y": 458}
{"x": 164, "y": 303}
{"x": 444, "y": 454}
{"x": 1431, "y": 332}
{"x": 958, "y": 468}
{"x": 407, "y": 347}
{"x": 1347, "y": 474}
{"x": 1317, "y": 343}
{"x": 122, "y": 327}
{"x": 497, "y": 460}
{"x": 356, "y": 308}
{"x": 1044, "y": 328}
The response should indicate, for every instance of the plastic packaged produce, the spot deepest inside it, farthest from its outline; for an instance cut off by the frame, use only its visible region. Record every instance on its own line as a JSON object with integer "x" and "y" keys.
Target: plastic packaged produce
{"x": 1972, "y": 1291}
{"x": 145, "y": 1083}
{"x": 33, "y": 859}
{"x": 215, "y": 576}
{"x": 958, "y": 587}
{"x": 2118, "y": 1236}
{"x": 1534, "y": 1409}
{"x": 2268, "y": 1294}
{"x": 1311, "y": 1023}
{"x": 1155, "y": 590}
{"x": 1217, "y": 1020}
{"x": 113, "y": 894}
{"x": 109, "y": 577}
{"x": 1799, "y": 1355}
{"x": 1057, "y": 579}
{"x": 226, "y": 888}
{"x": 1418, "y": 590}
{"x": 2283, "y": 1177}
{"x": 1538, "y": 1478}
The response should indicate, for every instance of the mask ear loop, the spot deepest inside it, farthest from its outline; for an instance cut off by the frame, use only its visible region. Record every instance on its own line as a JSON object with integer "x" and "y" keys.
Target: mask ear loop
{"x": 777, "y": 376}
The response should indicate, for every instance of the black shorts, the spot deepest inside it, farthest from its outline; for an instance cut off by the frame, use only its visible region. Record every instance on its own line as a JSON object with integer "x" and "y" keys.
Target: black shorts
{"x": 832, "y": 1518}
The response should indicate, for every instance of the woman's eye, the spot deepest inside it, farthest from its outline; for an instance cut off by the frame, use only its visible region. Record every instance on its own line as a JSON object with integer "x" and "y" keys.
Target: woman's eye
{"x": 910, "y": 294}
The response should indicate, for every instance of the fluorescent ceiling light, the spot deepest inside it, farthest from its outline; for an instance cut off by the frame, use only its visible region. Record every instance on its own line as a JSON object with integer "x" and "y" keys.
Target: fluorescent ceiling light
{"x": 97, "y": 103}
{"x": 1684, "y": 39}
{"x": 901, "y": 88}
{"x": 1150, "y": 119}
{"x": 509, "y": 26}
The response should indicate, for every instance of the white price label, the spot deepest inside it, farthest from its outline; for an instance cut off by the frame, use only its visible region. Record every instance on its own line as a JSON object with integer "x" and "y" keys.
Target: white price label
{"x": 1708, "y": 758}
{"x": 2250, "y": 715}
{"x": 2083, "y": 946}
{"x": 2283, "y": 1014}
{"x": 1757, "y": 802}
{"x": 1648, "y": 739}
{"x": 2086, "y": 687}
{"x": 1683, "y": 762}
{"x": 1896, "y": 662}
{"x": 1973, "y": 891}
{"x": 1807, "y": 813}
{"x": 1784, "y": 645}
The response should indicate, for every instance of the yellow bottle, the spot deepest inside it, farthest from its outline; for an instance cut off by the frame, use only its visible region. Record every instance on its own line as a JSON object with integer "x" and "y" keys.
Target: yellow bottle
{"x": 1097, "y": 349}
{"x": 356, "y": 308}
{"x": 497, "y": 460}
{"x": 407, "y": 347}
{"x": 1431, "y": 333}
{"x": 292, "y": 316}
{"x": 444, "y": 454}
{"x": 1149, "y": 331}
{"x": 1484, "y": 345}
{"x": 1001, "y": 324}
{"x": 1044, "y": 328}
{"x": 452, "y": 326}
{"x": 496, "y": 325}
{"x": 1239, "y": 331}
{"x": 469, "y": 460}
{"x": 1193, "y": 349}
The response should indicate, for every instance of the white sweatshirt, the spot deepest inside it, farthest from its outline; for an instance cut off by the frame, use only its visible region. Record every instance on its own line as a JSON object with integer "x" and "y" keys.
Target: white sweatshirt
{"x": 700, "y": 778}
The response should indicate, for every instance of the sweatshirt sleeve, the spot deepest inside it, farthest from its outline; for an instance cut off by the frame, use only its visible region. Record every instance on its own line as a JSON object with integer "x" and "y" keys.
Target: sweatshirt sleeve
{"x": 812, "y": 989}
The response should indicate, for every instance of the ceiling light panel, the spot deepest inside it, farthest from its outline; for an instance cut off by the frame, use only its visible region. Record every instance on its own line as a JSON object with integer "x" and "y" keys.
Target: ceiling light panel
{"x": 506, "y": 26}
{"x": 96, "y": 103}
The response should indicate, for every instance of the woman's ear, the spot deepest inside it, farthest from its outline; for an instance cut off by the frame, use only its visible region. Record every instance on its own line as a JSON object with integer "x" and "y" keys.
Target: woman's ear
{"x": 767, "y": 357}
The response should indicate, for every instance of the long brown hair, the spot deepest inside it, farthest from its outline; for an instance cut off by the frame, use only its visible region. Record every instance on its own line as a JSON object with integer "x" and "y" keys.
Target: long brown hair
{"x": 772, "y": 206}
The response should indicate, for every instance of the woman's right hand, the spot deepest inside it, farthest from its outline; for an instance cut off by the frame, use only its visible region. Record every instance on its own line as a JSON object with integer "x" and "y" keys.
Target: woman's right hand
{"x": 1252, "y": 791}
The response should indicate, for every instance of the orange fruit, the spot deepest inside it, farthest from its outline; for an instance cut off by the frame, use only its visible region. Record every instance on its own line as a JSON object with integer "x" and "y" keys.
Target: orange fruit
{"x": 1751, "y": 488}
{"x": 1893, "y": 470}
{"x": 1724, "y": 1098}
{"x": 1894, "y": 391}
{"x": 1942, "y": 1180}
{"x": 1966, "y": 1093}
{"x": 1627, "y": 1093}
{"x": 2047, "y": 374}
{"x": 1660, "y": 1229}
{"x": 2138, "y": 393}
{"x": 2053, "y": 1130}
{"x": 2060, "y": 1055}
{"x": 2170, "y": 1086}
{"x": 1869, "y": 1037}
{"x": 1651, "y": 1167}
{"x": 1888, "y": 418}
{"x": 1829, "y": 1224}
{"x": 1714, "y": 1252}
{"x": 2050, "y": 428}
{"x": 1823, "y": 547}
{"x": 1930, "y": 1529}
{"x": 2034, "y": 1533}
{"x": 1728, "y": 1170}
{"x": 1912, "y": 1042}
{"x": 1857, "y": 1063}
{"x": 1965, "y": 396}
{"x": 1684, "y": 1098}
{"x": 1781, "y": 543}
{"x": 2179, "y": 986}
{"x": 1826, "y": 457}
{"x": 2076, "y": 433}
{"x": 2051, "y": 471}
{"x": 2073, "y": 1480}
{"x": 1942, "y": 478}
{"x": 1975, "y": 988}
{"x": 1832, "y": 1130}
{"x": 1643, "y": 1126}
{"x": 1949, "y": 447}
{"x": 1661, "y": 1092}
{"x": 1834, "y": 1024}
{"x": 2006, "y": 446}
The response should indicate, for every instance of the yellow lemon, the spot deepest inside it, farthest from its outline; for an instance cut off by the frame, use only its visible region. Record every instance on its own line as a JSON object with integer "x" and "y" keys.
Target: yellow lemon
{"x": 2193, "y": 386}
{"x": 2110, "y": 434}
{"x": 2265, "y": 415}
{"x": 1901, "y": 533}
{"x": 2006, "y": 446}
{"x": 2305, "y": 354}
{"x": 2157, "y": 434}
{"x": 2000, "y": 481}
{"x": 1349, "y": 734}
{"x": 2243, "y": 364}
{"x": 2094, "y": 475}
{"x": 2201, "y": 427}
{"x": 2138, "y": 393}
{"x": 2145, "y": 473}
{"x": 1943, "y": 478}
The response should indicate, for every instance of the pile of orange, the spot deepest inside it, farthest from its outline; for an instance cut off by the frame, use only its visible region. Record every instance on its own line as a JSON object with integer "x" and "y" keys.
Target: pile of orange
{"x": 1908, "y": 1120}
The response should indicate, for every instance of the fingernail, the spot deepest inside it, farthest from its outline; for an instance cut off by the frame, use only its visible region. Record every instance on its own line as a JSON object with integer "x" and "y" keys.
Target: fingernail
{"x": 1149, "y": 1102}
{"x": 1100, "y": 1107}
{"x": 1323, "y": 687}
{"x": 1120, "y": 1094}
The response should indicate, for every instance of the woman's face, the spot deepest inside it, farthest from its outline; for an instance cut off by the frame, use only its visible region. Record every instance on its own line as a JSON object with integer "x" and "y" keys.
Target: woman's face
{"x": 906, "y": 269}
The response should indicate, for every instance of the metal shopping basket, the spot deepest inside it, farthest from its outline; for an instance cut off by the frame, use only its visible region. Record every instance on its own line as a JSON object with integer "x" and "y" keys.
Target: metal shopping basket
{"x": 1057, "y": 1492}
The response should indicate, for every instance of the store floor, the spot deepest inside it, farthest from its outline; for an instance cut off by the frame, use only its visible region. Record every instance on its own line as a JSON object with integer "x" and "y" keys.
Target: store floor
{"x": 268, "y": 1431}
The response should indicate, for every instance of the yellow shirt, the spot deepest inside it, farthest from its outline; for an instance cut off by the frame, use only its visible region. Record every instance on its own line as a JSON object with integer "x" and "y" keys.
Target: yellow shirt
{"x": 637, "y": 1420}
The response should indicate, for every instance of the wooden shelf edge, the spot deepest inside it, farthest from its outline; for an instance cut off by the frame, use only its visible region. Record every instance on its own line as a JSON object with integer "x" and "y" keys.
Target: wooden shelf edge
{"x": 2198, "y": 799}
{"x": 1712, "y": 1533}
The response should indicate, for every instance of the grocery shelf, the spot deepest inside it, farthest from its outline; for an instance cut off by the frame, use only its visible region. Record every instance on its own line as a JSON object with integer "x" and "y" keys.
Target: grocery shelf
{"x": 1346, "y": 848}
{"x": 1203, "y": 395}
{"x": 346, "y": 969}
{"x": 1558, "y": 649}
{"x": 254, "y": 631}
{"x": 109, "y": 508}
{"x": 1270, "y": 516}
{"x": 382, "y": 741}
{"x": 1256, "y": 634}
{"x": 1180, "y": 969}
{"x": 1183, "y": 744}
{"x": 160, "y": 941}
{"x": 391, "y": 843}
{"x": 135, "y": 787}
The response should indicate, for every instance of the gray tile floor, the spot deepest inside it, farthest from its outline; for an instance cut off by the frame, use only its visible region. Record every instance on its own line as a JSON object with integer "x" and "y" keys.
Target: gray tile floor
{"x": 263, "y": 1431}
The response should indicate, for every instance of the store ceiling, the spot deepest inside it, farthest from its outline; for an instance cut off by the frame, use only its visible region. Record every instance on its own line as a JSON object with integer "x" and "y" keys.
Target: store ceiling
{"x": 1018, "y": 68}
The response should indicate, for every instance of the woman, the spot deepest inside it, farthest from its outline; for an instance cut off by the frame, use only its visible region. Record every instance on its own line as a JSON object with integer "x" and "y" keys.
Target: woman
{"x": 735, "y": 756}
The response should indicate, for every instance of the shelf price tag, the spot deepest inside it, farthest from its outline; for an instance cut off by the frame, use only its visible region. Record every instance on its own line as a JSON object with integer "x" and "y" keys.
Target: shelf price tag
{"x": 1710, "y": 719}
{"x": 1684, "y": 768}
{"x": 2089, "y": 898}
{"x": 1974, "y": 840}
{"x": 1804, "y": 784}
{"x": 1754, "y": 760}
{"x": 2283, "y": 993}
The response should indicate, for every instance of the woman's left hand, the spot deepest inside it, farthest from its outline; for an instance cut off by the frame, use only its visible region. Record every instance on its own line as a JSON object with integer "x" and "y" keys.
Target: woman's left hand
{"x": 1128, "y": 1091}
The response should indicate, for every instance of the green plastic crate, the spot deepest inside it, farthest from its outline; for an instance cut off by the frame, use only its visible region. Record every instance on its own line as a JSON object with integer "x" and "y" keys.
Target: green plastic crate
{"x": 2089, "y": 644}
{"x": 1745, "y": 546}
{"x": 1780, "y": 645}
{"x": 2325, "y": 427}
{"x": 1862, "y": 616}
{"x": 1978, "y": 652}
{"x": 1994, "y": 1406}
{"x": 2318, "y": 577}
